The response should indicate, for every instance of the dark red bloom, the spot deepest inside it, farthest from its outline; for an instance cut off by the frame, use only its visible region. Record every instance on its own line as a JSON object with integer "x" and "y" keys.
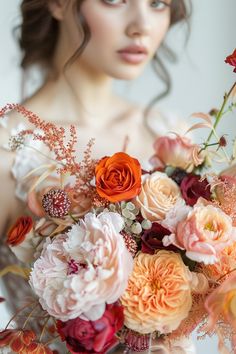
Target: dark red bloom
{"x": 152, "y": 238}
{"x": 56, "y": 203}
{"x": 231, "y": 60}
{"x": 92, "y": 337}
{"x": 192, "y": 188}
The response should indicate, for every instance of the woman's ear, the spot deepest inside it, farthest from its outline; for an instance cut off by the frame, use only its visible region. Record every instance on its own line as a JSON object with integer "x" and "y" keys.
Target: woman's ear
{"x": 57, "y": 8}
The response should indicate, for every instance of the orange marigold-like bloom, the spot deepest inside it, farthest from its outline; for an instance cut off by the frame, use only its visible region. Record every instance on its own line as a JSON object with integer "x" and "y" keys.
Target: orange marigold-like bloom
{"x": 118, "y": 177}
{"x": 158, "y": 296}
{"x": 17, "y": 340}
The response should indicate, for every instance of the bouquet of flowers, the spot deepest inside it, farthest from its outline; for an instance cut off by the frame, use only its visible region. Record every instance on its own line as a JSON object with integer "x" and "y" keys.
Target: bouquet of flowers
{"x": 117, "y": 254}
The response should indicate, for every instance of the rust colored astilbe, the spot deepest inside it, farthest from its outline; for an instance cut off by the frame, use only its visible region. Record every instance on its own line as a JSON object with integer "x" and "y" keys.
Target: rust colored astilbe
{"x": 196, "y": 316}
{"x": 64, "y": 149}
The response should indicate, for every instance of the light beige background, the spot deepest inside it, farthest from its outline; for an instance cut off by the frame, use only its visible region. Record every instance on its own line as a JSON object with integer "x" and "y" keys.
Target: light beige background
{"x": 199, "y": 79}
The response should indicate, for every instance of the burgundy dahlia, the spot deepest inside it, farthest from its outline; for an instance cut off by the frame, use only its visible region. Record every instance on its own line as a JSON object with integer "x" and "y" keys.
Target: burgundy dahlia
{"x": 192, "y": 187}
{"x": 56, "y": 203}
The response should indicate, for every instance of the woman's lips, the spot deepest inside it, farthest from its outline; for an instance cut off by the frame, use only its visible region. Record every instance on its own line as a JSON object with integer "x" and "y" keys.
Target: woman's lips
{"x": 132, "y": 58}
{"x": 133, "y": 54}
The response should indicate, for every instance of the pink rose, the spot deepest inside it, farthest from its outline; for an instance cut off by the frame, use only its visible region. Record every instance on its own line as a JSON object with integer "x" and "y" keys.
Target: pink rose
{"x": 177, "y": 152}
{"x": 205, "y": 232}
{"x": 192, "y": 188}
{"x": 92, "y": 336}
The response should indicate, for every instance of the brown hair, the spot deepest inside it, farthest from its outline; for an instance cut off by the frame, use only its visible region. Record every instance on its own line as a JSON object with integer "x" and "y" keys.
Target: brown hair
{"x": 39, "y": 33}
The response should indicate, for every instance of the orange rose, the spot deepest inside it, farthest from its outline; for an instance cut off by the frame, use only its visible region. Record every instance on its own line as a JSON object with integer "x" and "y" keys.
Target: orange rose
{"x": 18, "y": 232}
{"x": 118, "y": 177}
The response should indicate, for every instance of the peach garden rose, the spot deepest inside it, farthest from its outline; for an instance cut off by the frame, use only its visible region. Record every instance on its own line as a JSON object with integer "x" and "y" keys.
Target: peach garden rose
{"x": 158, "y": 295}
{"x": 159, "y": 194}
{"x": 205, "y": 232}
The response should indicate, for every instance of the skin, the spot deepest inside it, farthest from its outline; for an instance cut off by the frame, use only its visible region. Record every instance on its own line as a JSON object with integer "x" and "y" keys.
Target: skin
{"x": 64, "y": 100}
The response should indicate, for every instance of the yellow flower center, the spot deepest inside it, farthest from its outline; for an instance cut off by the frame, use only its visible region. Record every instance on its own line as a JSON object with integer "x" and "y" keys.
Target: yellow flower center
{"x": 210, "y": 227}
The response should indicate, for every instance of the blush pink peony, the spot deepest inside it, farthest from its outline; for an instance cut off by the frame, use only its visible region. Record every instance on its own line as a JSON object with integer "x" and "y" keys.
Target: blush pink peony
{"x": 178, "y": 152}
{"x": 205, "y": 232}
{"x": 78, "y": 273}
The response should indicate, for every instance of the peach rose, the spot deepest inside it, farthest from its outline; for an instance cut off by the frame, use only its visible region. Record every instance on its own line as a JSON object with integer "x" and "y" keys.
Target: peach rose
{"x": 177, "y": 152}
{"x": 204, "y": 234}
{"x": 22, "y": 240}
{"x": 159, "y": 194}
{"x": 158, "y": 295}
{"x": 118, "y": 177}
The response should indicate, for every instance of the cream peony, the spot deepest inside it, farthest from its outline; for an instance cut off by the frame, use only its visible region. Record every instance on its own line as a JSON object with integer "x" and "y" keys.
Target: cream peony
{"x": 158, "y": 196}
{"x": 78, "y": 273}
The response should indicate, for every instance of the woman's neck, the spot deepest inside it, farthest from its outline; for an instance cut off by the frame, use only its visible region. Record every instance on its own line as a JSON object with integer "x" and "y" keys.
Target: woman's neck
{"x": 80, "y": 94}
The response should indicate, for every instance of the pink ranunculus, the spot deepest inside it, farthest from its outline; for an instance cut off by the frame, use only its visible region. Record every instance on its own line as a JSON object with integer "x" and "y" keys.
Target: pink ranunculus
{"x": 93, "y": 336}
{"x": 192, "y": 188}
{"x": 205, "y": 232}
{"x": 177, "y": 152}
{"x": 78, "y": 273}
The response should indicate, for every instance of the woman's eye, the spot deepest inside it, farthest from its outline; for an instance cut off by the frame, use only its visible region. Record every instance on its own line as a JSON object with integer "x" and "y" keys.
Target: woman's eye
{"x": 159, "y": 5}
{"x": 113, "y": 2}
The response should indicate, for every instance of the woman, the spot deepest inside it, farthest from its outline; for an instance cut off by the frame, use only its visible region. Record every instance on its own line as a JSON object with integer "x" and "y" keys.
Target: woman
{"x": 81, "y": 46}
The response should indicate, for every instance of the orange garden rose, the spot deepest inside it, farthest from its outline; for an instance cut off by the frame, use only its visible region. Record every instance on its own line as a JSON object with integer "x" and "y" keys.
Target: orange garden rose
{"x": 18, "y": 232}
{"x": 118, "y": 177}
{"x": 22, "y": 240}
{"x": 158, "y": 295}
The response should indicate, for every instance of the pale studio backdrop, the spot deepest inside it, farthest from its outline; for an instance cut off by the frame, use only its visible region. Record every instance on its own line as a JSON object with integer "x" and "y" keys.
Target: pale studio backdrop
{"x": 199, "y": 78}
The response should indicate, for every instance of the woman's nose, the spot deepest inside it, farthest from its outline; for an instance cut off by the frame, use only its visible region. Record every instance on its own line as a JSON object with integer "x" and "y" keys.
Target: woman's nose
{"x": 138, "y": 25}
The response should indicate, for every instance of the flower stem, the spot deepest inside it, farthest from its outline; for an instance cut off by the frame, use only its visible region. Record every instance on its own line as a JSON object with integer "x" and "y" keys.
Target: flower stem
{"x": 44, "y": 327}
{"x": 231, "y": 271}
{"x": 17, "y": 313}
{"x": 219, "y": 115}
{"x": 29, "y": 316}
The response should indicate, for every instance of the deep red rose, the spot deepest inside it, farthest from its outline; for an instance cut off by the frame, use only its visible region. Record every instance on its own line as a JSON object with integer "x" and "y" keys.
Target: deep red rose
{"x": 92, "y": 336}
{"x": 152, "y": 238}
{"x": 231, "y": 60}
{"x": 192, "y": 188}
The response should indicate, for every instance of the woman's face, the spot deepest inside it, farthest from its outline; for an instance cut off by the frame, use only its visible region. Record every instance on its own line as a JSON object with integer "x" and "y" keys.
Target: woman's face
{"x": 125, "y": 35}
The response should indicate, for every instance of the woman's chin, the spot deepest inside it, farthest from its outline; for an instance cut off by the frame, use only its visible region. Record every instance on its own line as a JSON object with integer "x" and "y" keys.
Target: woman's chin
{"x": 128, "y": 74}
